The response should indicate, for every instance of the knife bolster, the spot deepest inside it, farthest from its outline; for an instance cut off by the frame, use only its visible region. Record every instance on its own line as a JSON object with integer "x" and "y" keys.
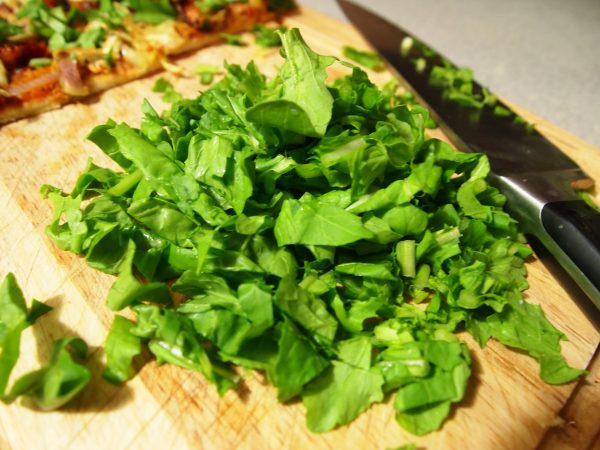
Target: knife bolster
{"x": 546, "y": 207}
{"x": 575, "y": 227}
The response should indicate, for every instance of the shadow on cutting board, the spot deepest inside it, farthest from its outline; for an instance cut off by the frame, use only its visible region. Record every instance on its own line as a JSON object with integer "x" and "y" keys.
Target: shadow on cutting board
{"x": 564, "y": 279}
{"x": 99, "y": 394}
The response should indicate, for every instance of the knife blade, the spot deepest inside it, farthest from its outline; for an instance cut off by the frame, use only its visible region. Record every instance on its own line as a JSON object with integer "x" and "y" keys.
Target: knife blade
{"x": 538, "y": 180}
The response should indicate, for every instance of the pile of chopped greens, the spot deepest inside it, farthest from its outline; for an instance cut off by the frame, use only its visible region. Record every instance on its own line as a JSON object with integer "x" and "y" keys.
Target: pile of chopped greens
{"x": 309, "y": 231}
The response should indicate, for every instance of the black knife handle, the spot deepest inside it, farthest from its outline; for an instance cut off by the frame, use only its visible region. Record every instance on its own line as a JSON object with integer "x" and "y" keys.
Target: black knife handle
{"x": 575, "y": 228}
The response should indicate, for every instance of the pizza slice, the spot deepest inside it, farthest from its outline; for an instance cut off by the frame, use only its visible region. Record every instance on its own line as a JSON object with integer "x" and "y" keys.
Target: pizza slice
{"x": 53, "y": 52}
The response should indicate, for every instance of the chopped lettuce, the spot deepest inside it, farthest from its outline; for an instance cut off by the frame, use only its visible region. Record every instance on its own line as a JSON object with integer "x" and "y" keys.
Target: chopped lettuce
{"x": 309, "y": 230}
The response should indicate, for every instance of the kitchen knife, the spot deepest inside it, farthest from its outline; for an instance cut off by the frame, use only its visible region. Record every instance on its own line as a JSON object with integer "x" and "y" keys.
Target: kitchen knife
{"x": 538, "y": 180}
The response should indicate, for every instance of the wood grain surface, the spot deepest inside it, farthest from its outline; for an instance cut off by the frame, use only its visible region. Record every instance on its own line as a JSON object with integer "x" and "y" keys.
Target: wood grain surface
{"x": 507, "y": 406}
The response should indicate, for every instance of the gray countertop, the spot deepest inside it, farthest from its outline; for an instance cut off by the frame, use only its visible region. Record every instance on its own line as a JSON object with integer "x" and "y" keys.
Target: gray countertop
{"x": 543, "y": 55}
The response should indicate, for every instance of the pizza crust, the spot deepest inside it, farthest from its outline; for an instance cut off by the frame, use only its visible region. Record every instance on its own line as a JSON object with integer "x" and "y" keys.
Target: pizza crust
{"x": 142, "y": 50}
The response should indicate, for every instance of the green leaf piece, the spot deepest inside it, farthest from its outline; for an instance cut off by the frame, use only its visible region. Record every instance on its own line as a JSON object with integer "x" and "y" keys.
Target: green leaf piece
{"x": 128, "y": 289}
{"x": 63, "y": 378}
{"x": 342, "y": 392}
{"x": 305, "y": 103}
{"x": 121, "y": 346}
{"x": 297, "y": 363}
{"x": 310, "y": 222}
{"x": 364, "y": 58}
{"x": 13, "y": 320}
{"x": 524, "y": 326}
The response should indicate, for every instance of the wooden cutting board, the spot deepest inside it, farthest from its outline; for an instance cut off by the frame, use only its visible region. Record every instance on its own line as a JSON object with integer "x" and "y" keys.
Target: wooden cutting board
{"x": 507, "y": 406}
